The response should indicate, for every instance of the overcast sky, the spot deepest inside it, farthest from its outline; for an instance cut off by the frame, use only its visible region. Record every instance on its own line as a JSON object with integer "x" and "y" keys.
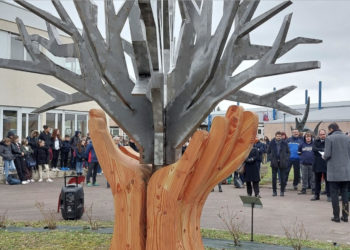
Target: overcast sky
{"x": 322, "y": 19}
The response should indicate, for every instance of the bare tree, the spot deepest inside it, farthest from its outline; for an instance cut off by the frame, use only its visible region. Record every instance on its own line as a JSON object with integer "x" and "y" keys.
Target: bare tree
{"x": 180, "y": 78}
{"x": 197, "y": 69}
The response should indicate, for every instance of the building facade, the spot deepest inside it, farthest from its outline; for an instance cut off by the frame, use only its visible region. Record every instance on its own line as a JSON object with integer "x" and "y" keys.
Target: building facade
{"x": 19, "y": 93}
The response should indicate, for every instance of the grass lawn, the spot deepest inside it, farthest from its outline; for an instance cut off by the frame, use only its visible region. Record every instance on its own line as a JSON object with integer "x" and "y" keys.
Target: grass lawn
{"x": 91, "y": 240}
{"x": 266, "y": 174}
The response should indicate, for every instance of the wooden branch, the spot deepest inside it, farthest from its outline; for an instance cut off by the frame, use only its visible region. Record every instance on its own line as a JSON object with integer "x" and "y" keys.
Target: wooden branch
{"x": 127, "y": 179}
{"x": 176, "y": 194}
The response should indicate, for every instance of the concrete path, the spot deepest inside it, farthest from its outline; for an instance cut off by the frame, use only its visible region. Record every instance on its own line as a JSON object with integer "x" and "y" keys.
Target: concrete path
{"x": 19, "y": 202}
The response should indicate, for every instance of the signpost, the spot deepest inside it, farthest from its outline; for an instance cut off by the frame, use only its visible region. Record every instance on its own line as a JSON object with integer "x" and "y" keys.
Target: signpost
{"x": 250, "y": 201}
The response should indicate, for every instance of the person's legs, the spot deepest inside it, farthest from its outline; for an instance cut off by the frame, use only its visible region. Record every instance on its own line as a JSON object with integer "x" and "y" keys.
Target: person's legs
{"x": 90, "y": 166}
{"x": 345, "y": 200}
{"x": 78, "y": 167}
{"x": 318, "y": 178}
{"x": 296, "y": 168}
{"x": 283, "y": 178}
{"x": 304, "y": 170}
{"x": 47, "y": 170}
{"x": 287, "y": 170}
{"x": 55, "y": 154}
{"x": 18, "y": 165}
{"x": 249, "y": 188}
{"x": 334, "y": 186}
{"x": 40, "y": 169}
{"x": 256, "y": 188}
{"x": 274, "y": 180}
{"x": 328, "y": 190}
{"x": 219, "y": 184}
{"x": 94, "y": 173}
{"x": 6, "y": 169}
{"x": 311, "y": 177}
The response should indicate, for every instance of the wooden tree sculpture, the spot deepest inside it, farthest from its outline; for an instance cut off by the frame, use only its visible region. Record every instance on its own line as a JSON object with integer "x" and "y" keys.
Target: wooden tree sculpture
{"x": 180, "y": 78}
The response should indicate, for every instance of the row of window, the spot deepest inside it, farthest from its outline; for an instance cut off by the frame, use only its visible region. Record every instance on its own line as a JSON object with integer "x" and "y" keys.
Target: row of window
{"x": 22, "y": 122}
{"x": 12, "y": 48}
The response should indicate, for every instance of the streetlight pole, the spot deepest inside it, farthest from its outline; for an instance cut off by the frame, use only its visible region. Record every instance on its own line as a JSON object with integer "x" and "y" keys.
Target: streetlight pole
{"x": 284, "y": 122}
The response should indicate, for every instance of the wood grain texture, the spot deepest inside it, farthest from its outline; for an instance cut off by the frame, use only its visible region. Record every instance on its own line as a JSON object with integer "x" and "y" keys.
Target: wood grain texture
{"x": 170, "y": 218}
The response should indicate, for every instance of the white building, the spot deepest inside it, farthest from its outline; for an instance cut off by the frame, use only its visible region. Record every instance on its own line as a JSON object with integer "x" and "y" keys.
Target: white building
{"x": 19, "y": 93}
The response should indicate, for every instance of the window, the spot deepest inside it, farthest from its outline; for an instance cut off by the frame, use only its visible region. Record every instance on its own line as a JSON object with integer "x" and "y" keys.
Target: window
{"x": 5, "y": 45}
{"x": 69, "y": 124}
{"x": 17, "y": 48}
{"x": 59, "y": 122}
{"x": 81, "y": 123}
{"x": 114, "y": 131}
{"x": 33, "y": 123}
{"x": 50, "y": 120}
{"x": 9, "y": 122}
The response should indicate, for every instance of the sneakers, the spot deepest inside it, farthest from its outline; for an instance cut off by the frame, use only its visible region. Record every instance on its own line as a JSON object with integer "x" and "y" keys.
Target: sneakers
{"x": 40, "y": 180}
{"x": 274, "y": 193}
{"x": 344, "y": 219}
{"x": 335, "y": 219}
{"x": 303, "y": 191}
{"x": 96, "y": 184}
{"x": 49, "y": 180}
{"x": 25, "y": 182}
{"x": 282, "y": 194}
{"x": 315, "y": 198}
{"x": 32, "y": 180}
{"x": 89, "y": 184}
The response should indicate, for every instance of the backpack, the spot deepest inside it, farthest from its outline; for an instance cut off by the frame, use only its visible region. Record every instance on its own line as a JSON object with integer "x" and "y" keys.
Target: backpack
{"x": 12, "y": 180}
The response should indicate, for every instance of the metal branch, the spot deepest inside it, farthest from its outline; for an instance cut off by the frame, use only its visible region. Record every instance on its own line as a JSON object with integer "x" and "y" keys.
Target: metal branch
{"x": 62, "y": 25}
{"x": 256, "y": 22}
{"x": 54, "y": 44}
{"x": 60, "y": 98}
{"x": 267, "y": 100}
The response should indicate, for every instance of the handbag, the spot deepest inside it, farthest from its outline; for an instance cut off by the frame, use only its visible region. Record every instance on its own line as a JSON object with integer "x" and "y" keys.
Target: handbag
{"x": 30, "y": 162}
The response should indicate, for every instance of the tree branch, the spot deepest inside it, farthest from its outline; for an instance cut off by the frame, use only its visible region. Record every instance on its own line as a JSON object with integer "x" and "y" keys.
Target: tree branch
{"x": 62, "y": 25}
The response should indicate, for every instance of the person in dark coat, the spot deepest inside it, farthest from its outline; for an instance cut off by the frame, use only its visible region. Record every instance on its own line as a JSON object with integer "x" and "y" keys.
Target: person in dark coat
{"x": 56, "y": 144}
{"x": 42, "y": 160}
{"x": 306, "y": 161}
{"x": 46, "y": 136}
{"x": 65, "y": 149}
{"x": 294, "y": 160}
{"x": 7, "y": 156}
{"x": 73, "y": 144}
{"x": 261, "y": 150}
{"x": 93, "y": 165}
{"x": 33, "y": 139}
{"x": 320, "y": 165}
{"x": 79, "y": 154}
{"x": 252, "y": 172}
{"x": 19, "y": 159}
{"x": 337, "y": 155}
{"x": 278, "y": 152}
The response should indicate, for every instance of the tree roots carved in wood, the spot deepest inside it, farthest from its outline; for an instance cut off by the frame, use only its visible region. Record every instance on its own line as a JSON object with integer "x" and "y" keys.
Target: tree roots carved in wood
{"x": 163, "y": 211}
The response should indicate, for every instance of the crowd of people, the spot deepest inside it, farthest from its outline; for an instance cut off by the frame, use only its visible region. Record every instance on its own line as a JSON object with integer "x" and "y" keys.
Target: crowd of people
{"x": 313, "y": 159}
{"x": 45, "y": 151}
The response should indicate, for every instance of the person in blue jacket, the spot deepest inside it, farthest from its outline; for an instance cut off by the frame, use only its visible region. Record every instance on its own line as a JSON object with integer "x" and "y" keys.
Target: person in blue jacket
{"x": 93, "y": 165}
{"x": 307, "y": 158}
{"x": 294, "y": 160}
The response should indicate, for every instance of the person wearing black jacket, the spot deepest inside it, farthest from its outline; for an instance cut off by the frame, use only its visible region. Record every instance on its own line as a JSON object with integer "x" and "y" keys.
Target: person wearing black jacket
{"x": 65, "y": 149}
{"x": 19, "y": 159}
{"x": 33, "y": 139}
{"x": 74, "y": 143}
{"x": 252, "y": 172}
{"x": 42, "y": 160}
{"x": 278, "y": 152}
{"x": 7, "y": 156}
{"x": 320, "y": 166}
{"x": 56, "y": 145}
{"x": 46, "y": 136}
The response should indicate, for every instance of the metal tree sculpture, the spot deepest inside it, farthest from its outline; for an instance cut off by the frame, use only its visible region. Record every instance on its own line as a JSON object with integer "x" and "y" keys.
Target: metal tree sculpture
{"x": 177, "y": 84}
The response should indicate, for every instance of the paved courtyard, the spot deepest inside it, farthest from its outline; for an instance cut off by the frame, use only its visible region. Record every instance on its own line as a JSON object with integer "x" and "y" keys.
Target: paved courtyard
{"x": 19, "y": 200}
